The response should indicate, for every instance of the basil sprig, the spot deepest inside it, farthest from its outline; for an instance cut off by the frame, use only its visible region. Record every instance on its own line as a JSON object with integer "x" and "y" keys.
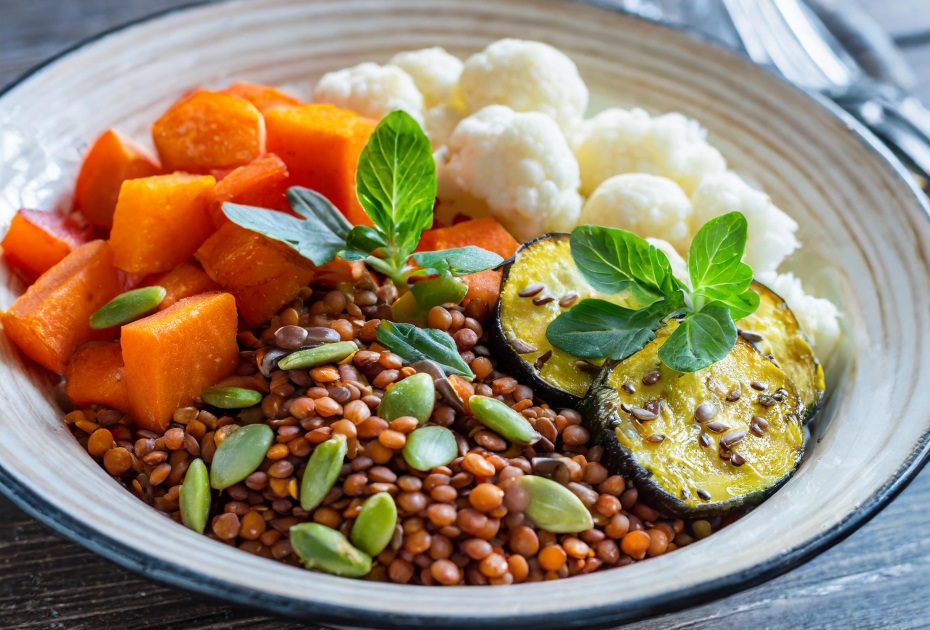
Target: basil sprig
{"x": 616, "y": 261}
{"x": 413, "y": 343}
{"x": 396, "y": 186}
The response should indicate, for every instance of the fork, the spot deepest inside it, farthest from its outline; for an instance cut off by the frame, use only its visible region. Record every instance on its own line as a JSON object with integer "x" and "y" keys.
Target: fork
{"x": 787, "y": 36}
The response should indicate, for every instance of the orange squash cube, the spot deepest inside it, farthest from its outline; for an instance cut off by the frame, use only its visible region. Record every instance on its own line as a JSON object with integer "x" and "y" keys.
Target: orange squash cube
{"x": 184, "y": 281}
{"x": 486, "y": 233}
{"x": 94, "y": 376}
{"x": 172, "y": 355}
{"x": 209, "y": 130}
{"x": 261, "y": 273}
{"x": 485, "y": 285}
{"x": 37, "y": 241}
{"x": 161, "y": 221}
{"x": 261, "y": 183}
{"x": 262, "y": 96}
{"x": 111, "y": 160}
{"x": 320, "y": 145}
{"x": 52, "y": 317}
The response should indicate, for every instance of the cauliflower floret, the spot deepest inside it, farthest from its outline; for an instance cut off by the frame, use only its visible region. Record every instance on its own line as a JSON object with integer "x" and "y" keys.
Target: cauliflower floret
{"x": 435, "y": 72}
{"x": 647, "y": 205}
{"x": 519, "y": 164}
{"x": 440, "y": 122}
{"x": 771, "y": 232}
{"x": 527, "y": 77}
{"x": 679, "y": 266}
{"x": 370, "y": 90}
{"x": 631, "y": 141}
{"x": 819, "y": 317}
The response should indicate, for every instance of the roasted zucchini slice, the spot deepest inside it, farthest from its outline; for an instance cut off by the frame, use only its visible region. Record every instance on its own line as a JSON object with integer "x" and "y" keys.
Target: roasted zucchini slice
{"x": 703, "y": 443}
{"x": 783, "y": 339}
{"x": 541, "y": 282}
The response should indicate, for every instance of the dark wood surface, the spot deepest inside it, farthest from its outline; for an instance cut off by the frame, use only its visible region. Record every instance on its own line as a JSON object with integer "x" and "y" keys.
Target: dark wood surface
{"x": 879, "y": 577}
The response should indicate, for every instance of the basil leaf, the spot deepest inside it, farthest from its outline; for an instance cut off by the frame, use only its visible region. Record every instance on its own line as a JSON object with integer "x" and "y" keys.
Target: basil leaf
{"x": 417, "y": 344}
{"x": 312, "y": 205}
{"x": 716, "y": 252}
{"x": 736, "y": 294}
{"x": 311, "y": 237}
{"x": 597, "y": 329}
{"x": 459, "y": 261}
{"x": 613, "y": 261}
{"x": 415, "y": 304}
{"x": 742, "y": 305}
{"x": 700, "y": 340}
{"x": 364, "y": 239}
{"x": 396, "y": 181}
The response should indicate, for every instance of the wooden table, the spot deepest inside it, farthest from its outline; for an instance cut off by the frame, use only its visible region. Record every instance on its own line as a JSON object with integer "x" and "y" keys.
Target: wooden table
{"x": 878, "y": 577}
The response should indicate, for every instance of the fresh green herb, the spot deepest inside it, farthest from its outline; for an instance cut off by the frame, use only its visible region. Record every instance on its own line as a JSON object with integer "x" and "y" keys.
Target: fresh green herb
{"x": 417, "y": 344}
{"x": 616, "y": 261}
{"x": 460, "y": 261}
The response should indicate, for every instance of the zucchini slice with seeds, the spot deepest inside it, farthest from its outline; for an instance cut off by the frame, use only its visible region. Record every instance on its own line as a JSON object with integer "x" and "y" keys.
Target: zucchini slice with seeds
{"x": 783, "y": 339}
{"x": 698, "y": 444}
{"x": 541, "y": 282}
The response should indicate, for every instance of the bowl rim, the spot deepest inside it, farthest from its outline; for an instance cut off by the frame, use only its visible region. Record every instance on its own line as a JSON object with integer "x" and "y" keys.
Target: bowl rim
{"x": 175, "y": 576}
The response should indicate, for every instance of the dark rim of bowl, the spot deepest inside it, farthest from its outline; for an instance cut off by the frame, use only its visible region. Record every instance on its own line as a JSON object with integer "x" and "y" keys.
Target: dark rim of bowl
{"x": 175, "y": 576}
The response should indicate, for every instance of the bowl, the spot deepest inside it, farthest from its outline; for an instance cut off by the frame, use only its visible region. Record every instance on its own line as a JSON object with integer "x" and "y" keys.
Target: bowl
{"x": 865, "y": 227}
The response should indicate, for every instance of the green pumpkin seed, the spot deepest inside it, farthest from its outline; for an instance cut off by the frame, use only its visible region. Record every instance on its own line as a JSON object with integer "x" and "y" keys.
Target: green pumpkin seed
{"x": 414, "y": 396}
{"x": 375, "y": 523}
{"x": 325, "y": 549}
{"x": 230, "y": 397}
{"x": 555, "y": 508}
{"x": 322, "y": 471}
{"x": 240, "y": 455}
{"x": 312, "y": 357}
{"x": 503, "y": 420}
{"x": 429, "y": 447}
{"x": 127, "y": 307}
{"x": 195, "y": 496}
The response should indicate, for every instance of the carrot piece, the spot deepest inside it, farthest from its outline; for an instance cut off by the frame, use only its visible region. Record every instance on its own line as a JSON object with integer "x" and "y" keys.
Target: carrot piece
{"x": 172, "y": 355}
{"x": 262, "y": 96}
{"x": 485, "y": 285}
{"x": 184, "y": 281}
{"x": 262, "y": 183}
{"x": 320, "y": 145}
{"x": 52, "y": 317}
{"x": 486, "y": 233}
{"x": 261, "y": 273}
{"x": 161, "y": 221}
{"x": 209, "y": 130}
{"x": 37, "y": 241}
{"x": 111, "y": 160}
{"x": 94, "y": 376}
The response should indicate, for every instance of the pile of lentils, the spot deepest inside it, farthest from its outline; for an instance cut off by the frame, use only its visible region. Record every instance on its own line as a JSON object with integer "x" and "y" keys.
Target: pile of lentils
{"x": 461, "y": 523}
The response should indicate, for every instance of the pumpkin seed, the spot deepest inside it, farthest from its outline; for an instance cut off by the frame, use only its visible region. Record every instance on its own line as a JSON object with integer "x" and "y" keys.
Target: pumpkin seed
{"x": 127, "y": 307}
{"x": 375, "y": 523}
{"x": 230, "y": 397}
{"x": 414, "y": 396}
{"x": 555, "y": 508}
{"x": 239, "y": 455}
{"x": 503, "y": 420}
{"x": 429, "y": 447}
{"x": 312, "y": 357}
{"x": 325, "y": 549}
{"x": 195, "y": 496}
{"x": 322, "y": 471}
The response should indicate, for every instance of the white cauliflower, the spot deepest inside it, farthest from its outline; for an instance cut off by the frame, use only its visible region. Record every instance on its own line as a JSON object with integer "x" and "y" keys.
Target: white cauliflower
{"x": 370, "y": 90}
{"x": 451, "y": 199}
{"x": 439, "y": 123}
{"x": 434, "y": 71}
{"x": 819, "y": 317}
{"x": 679, "y": 266}
{"x": 526, "y": 77}
{"x": 520, "y": 165}
{"x": 771, "y": 232}
{"x": 647, "y": 205}
{"x": 631, "y": 141}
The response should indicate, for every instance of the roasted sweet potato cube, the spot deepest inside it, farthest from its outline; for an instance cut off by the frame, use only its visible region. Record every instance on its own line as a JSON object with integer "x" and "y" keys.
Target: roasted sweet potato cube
{"x": 262, "y": 183}
{"x": 111, "y": 160}
{"x": 486, "y": 233}
{"x": 261, "y": 273}
{"x": 320, "y": 145}
{"x": 184, "y": 281}
{"x": 262, "y": 96}
{"x": 52, "y": 317}
{"x": 172, "y": 355}
{"x": 37, "y": 241}
{"x": 161, "y": 221}
{"x": 209, "y": 130}
{"x": 94, "y": 376}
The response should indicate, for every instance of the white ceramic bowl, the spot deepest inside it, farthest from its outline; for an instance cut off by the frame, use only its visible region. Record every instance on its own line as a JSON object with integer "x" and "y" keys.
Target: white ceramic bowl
{"x": 867, "y": 241}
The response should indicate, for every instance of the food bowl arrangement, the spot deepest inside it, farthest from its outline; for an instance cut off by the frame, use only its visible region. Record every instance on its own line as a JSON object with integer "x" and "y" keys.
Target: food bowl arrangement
{"x": 866, "y": 241}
